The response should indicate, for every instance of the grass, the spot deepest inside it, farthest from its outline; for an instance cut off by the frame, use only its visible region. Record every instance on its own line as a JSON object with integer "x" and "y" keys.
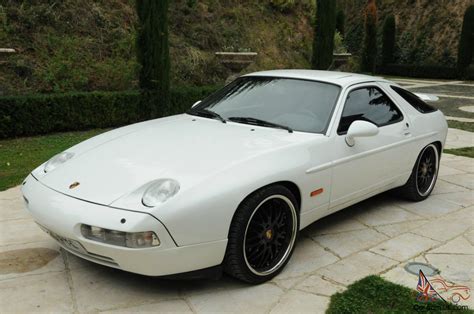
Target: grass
{"x": 18, "y": 157}
{"x": 466, "y": 126}
{"x": 373, "y": 294}
{"x": 464, "y": 151}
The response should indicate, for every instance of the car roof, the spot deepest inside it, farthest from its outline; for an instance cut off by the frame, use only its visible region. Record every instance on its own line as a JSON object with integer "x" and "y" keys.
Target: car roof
{"x": 333, "y": 77}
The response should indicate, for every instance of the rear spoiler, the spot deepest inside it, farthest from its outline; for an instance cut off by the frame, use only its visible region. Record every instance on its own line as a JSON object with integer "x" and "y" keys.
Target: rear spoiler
{"x": 427, "y": 97}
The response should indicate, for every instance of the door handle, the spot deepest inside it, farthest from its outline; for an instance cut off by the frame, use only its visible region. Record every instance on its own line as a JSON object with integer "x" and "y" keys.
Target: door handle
{"x": 406, "y": 129}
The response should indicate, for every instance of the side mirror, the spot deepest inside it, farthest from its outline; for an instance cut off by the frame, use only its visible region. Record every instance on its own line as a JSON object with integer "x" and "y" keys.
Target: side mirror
{"x": 360, "y": 128}
{"x": 196, "y": 103}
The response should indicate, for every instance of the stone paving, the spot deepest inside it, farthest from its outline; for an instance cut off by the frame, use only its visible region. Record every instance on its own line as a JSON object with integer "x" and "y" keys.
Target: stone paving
{"x": 377, "y": 236}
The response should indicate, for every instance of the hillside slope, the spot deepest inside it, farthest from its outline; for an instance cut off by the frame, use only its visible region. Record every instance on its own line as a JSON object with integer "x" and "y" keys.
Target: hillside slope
{"x": 427, "y": 30}
{"x": 81, "y": 45}
{"x": 89, "y": 45}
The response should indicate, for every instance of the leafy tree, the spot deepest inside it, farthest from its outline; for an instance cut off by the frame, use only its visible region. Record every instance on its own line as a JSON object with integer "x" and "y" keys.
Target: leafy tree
{"x": 323, "y": 44}
{"x": 369, "y": 53}
{"x": 388, "y": 40}
{"x": 466, "y": 42}
{"x": 340, "y": 21}
{"x": 153, "y": 53}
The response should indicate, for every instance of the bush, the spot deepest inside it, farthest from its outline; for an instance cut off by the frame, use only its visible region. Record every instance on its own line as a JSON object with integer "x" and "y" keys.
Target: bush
{"x": 41, "y": 114}
{"x": 388, "y": 40}
{"x": 466, "y": 42}
{"x": 424, "y": 71}
{"x": 323, "y": 44}
{"x": 354, "y": 37}
{"x": 339, "y": 46}
{"x": 153, "y": 48}
{"x": 369, "y": 54}
{"x": 340, "y": 22}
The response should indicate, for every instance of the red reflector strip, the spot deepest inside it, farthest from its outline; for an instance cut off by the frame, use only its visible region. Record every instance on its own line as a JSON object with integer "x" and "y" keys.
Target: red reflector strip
{"x": 317, "y": 192}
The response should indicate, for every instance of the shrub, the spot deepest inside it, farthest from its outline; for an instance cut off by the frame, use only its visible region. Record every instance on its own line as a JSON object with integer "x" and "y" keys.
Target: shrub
{"x": 369, "y": 53}
{"x": 354, "y": 37}
{"x": 323, "y": 44}
{"x": 424, "y": 71}
{"x": 41, "y": 114}
{"x": 340, "y": 22}
{"x": 388, "y": 40}
{"x": 153, "y": 49}
{"x": 339, "y": 46}
{"x": 466, "y": 41}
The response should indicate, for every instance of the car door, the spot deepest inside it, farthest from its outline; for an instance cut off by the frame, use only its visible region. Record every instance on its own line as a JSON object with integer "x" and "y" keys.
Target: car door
{"x": 375, "y": 162}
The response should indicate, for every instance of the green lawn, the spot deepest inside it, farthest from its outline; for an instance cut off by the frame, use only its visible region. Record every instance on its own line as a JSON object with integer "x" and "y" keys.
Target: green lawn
{"x": 373, "y": 294}
{"x": 466, "y": 126}
{"x": 19, "y": 156}
{"x": 465, "y": 151}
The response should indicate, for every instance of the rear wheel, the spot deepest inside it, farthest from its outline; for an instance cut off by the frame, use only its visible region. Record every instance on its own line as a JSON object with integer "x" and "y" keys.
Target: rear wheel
{"x": 262, "y": 235}
{"x": 423, "y": 178}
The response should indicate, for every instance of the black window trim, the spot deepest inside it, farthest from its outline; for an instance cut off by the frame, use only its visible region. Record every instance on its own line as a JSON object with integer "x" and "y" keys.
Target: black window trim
{"x": 380, "y": 89}
{"x": 394, "y": 88}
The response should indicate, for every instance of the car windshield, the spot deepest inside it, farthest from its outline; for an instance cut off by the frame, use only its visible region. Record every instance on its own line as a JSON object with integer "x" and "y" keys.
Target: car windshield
{"x": 294, "y": 104}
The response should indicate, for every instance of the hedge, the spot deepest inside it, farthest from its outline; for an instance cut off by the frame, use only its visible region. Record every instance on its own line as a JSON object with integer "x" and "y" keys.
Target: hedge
{"x": 42, "y": 114}
{"x": 434, "y": 72}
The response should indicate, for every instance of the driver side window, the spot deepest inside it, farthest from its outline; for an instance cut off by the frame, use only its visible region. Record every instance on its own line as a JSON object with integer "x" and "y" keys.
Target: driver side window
{"x": 368, "y": 104}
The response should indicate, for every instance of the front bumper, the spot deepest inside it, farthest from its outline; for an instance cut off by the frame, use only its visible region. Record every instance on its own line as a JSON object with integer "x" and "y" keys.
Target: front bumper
{"x": 63, "y": 215}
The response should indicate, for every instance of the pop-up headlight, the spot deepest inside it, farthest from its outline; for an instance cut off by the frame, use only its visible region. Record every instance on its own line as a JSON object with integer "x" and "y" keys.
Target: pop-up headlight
{"x": 57, "y": 160}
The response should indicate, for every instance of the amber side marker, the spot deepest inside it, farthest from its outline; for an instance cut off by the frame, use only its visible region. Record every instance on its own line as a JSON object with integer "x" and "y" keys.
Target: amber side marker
{"x": 317, "y": 192}
{"x": 74, "y": 185}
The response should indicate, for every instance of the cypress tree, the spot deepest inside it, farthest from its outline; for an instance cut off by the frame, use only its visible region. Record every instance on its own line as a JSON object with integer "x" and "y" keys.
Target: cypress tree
{"x": 340, "y": 21}
{"x": 325, "y": 27}
{"x": 369, "y": 53}
{"x": 466, "y": 41}
{"x": 153, "y": 53}
{"x": 388, "y": 40}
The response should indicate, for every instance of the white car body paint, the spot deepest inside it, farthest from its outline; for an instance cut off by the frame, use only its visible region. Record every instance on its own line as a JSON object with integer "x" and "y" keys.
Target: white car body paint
{"x": 217, "y": 166}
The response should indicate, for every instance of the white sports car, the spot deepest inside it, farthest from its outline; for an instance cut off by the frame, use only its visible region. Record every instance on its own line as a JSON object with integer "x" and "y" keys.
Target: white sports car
{"x": 229, "y": 184}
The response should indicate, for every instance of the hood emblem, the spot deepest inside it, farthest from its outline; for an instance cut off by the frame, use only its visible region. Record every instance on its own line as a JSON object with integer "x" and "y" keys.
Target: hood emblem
{"x": 74, "y": 185}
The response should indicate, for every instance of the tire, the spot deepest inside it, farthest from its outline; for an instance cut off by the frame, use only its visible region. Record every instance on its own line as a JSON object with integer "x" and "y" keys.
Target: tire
{"x": 262, "y": 235}
{"x": 424, "y": 174}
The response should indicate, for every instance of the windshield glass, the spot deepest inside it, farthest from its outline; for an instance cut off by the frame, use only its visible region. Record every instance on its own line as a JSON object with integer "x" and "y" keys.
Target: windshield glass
{"x": 301, "y": 105}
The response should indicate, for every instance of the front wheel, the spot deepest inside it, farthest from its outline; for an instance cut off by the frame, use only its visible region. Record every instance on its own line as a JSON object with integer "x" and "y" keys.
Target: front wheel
{"x": 423, "y": 178}
{"x": 262, "y": 235}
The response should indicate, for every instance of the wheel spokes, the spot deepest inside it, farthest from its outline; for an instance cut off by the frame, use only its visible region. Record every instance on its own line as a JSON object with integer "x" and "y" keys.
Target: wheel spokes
{"x": 426, "y": 171}
{"x": 268, "y": 235}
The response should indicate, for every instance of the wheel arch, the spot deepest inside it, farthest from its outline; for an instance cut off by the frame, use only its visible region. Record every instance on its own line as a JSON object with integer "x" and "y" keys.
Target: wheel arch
{"x": 439, "y": 146}
{"x": 294, "y": 189}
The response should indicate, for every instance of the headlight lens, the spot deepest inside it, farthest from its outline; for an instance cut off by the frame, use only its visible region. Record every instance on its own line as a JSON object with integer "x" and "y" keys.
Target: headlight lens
{"x": 120, "y": 238}
{"x": 159, "y": 191}
{"x": 57, "y": 160}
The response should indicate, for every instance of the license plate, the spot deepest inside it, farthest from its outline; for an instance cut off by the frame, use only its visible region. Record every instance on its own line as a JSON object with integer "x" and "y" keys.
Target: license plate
{"x": 67, "y": 243}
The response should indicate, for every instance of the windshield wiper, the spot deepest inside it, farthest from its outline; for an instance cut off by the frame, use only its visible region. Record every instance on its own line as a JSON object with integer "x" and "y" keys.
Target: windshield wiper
{"x": 207, "y": 113}
{"x": 259, "y": 122}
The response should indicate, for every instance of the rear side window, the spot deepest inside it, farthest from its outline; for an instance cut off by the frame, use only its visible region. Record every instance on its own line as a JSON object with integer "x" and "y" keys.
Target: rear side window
{"x": 413, "y": 100}
{"x": 368, "y": 104}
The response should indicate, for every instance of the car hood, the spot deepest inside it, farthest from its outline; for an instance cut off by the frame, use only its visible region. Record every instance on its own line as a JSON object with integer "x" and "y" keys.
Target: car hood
{"x": 186, "y": 148}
